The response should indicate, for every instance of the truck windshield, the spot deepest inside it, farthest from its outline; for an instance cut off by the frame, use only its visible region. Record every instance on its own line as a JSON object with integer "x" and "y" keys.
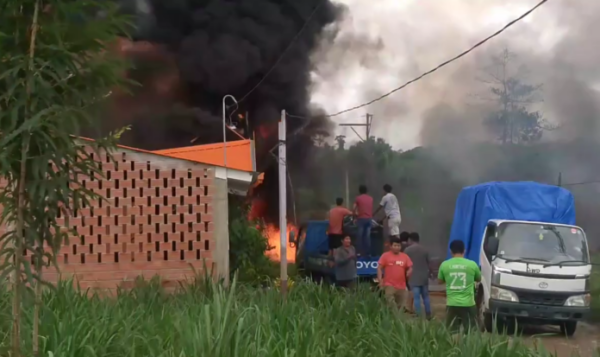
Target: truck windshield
{"x": 542, "y": 243}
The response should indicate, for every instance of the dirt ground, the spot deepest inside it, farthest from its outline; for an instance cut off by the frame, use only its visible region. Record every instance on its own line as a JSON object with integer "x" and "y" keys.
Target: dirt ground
{"x": 585, "y": 343}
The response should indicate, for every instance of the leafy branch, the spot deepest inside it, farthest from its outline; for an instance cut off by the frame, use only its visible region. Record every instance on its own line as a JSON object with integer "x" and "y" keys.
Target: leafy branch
{"x": 54, "y": 80}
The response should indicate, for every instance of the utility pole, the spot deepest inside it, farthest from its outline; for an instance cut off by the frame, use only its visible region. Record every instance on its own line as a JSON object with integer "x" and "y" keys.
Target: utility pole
{"x": 560, "y": 179}
{"x": 367, "y": 125}
{"x": 282, "y": 205}
{"x": 347, "y": 184}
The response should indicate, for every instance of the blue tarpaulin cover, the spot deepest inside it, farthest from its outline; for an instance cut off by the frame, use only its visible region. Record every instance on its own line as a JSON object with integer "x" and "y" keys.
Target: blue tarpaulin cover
{"x": 522, "y": 201}
{"x": 316, "y": 237}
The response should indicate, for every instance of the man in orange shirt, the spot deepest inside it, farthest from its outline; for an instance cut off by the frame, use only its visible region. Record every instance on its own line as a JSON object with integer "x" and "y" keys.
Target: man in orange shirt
{"x": 336, "y": 221}
{"x": 393, "y": 270}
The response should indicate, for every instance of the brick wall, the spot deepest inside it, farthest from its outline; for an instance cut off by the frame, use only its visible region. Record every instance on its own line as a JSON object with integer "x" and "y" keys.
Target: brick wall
{"x": 154, "y": 220}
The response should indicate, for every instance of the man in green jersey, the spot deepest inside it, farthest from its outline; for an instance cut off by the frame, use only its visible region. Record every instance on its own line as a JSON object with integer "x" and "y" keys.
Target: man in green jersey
{"x": 459, "y": 275}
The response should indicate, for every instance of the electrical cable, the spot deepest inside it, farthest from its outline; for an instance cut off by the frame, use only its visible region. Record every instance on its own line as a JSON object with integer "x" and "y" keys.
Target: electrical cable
{"x": 464, "y": 53}
{"x": 580, "y": 183}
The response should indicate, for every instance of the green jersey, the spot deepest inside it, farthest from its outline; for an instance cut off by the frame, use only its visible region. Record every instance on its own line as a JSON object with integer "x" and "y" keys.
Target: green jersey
{"x": 460, "y": 275}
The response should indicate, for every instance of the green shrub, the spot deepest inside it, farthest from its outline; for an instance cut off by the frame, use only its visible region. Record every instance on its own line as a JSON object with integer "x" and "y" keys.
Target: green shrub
{"x": 247, "y": 249}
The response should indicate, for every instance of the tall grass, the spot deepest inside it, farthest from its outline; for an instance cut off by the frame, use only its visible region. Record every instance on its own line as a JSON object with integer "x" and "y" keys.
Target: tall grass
{"x": 206, "y": 320}
{"x": 595, "y": 282}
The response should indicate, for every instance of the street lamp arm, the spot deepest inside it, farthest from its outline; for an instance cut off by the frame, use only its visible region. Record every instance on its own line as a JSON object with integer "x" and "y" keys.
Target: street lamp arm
{"x": 225, "y": 129}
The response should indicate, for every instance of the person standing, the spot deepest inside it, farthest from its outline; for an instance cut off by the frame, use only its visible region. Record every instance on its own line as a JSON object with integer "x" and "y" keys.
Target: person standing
{"x": 363, "y": 210}
{"x": 336, "y": 221}
{"x": 389, "y": 203}
{"x": 404, "y": 240}
{"x": 344, "y": 258}
{"x": 419, "y": 280}
{"x": 459, "y": 275}
{"x": 404, "y": 237}
{"x": 394, "y": 267}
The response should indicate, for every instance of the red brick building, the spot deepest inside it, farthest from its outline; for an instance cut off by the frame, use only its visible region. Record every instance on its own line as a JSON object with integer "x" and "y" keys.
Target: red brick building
{"x": 163, "y": 214}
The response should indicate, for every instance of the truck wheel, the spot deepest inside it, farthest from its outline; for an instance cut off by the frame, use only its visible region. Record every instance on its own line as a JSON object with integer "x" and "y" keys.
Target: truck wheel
{"x": 568, "y": 328}
{"x": 487, "y": 323}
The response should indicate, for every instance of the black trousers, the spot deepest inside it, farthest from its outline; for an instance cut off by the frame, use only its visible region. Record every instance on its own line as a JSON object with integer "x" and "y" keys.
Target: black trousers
{"x": 335, "y": 241}
{"x": 457, "y": 316}
{"x": 346, "y": 284}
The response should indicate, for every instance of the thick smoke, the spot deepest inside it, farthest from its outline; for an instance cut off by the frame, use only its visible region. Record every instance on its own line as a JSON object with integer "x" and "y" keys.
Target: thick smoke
{"x": 409, "y": 37}
{"x": 445, "y": 111}
{"x": 200, "y": 51}
{"x": 190, "y": 54}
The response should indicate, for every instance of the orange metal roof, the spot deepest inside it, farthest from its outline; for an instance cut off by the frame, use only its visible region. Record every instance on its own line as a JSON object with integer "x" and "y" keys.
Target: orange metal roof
{"x": 239, "y": 154}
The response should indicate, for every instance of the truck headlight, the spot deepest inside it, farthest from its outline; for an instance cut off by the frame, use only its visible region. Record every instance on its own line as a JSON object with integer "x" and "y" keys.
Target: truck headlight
{"x": 579, "y": 300}
{"x": 503, "y": 295}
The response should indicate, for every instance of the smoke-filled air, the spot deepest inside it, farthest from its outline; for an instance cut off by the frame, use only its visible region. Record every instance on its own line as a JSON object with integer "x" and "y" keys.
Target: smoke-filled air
{"x": 523, "y": 106}
{"x": 545, "y": 128}
{"x": 189, "y": 54}
{"x": 379, "y": 48}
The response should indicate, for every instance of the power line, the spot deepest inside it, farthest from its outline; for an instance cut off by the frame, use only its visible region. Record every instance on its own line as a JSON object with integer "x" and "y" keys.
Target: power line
{"x": 440, "y": 65}
{"x": 581, "y": 183}
{"x": 312, "y": 14}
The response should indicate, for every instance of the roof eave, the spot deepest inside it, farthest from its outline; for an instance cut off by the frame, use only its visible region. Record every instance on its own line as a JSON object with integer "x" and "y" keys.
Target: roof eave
{"x": 239, "y": 182}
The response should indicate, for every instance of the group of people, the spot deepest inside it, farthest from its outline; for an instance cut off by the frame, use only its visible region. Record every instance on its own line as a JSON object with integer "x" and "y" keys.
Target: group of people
{"x": 363, "y": 213}
{"x": 403, "y": 271}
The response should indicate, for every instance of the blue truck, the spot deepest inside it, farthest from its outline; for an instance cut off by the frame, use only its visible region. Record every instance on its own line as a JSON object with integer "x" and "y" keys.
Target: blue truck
{"x": 535, "y": 263}
{"x": 312, "y": 250}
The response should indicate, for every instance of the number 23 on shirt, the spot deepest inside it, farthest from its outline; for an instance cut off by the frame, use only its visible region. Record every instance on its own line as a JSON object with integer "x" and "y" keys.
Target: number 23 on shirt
{"x": 460, "y": 275}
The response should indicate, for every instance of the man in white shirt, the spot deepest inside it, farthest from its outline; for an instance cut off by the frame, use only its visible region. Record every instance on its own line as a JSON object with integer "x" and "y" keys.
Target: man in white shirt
{"x": 389, "y": 203}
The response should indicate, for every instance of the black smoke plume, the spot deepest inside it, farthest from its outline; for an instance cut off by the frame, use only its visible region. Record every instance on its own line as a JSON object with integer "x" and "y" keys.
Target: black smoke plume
{"x": 189, "y": 54}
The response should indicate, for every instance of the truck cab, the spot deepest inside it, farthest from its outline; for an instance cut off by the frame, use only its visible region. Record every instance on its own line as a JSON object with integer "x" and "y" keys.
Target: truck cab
{"x": 313, "y": 247}
{"x": 534, "y": 272}
{"x": 534, "y": 260}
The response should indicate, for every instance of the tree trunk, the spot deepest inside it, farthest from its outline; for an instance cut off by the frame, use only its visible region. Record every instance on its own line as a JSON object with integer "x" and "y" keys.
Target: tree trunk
{"x": 18, "y": 251}
{"x": 38, "y": 248}
{"x": 38, "y": 301}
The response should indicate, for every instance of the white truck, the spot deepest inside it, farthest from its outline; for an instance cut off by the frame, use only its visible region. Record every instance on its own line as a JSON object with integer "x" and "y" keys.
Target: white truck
{"x": 535, "y": 263}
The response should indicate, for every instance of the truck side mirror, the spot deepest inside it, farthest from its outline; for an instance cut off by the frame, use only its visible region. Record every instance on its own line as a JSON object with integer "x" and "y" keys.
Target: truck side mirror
{"x": 292, "y": 237}
{"x": 491, "y": 248}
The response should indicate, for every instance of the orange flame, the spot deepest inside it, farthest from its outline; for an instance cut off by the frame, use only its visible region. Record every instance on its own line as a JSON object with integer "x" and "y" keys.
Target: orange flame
{"x": 273, "y": 236}
{"x": 272, "y": 233}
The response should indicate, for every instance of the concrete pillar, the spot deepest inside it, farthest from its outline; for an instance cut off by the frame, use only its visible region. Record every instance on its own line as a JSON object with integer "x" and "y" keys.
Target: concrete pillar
{"x": 221, "y": 235}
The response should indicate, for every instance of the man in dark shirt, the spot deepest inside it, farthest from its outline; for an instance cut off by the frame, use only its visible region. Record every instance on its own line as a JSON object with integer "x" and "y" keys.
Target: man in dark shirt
{"x": 345, "y": 264}
{"x": 404, "y": 238}
{"x": 419, "y": 280}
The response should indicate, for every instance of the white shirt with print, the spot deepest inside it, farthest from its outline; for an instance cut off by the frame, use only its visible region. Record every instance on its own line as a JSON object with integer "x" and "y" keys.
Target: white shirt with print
{"x": 390, "y": 206}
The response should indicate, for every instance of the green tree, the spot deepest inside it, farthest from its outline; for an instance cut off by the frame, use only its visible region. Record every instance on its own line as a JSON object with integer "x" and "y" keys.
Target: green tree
{"x": 56, "y": 70}
{"x": 513, "y": 121}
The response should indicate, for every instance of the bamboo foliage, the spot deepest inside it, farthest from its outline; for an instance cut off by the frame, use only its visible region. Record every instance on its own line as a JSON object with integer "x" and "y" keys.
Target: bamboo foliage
{"x": 55, "y": 75}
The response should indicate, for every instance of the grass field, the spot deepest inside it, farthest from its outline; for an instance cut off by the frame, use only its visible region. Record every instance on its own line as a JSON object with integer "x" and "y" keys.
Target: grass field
{"x": 203, "y": 320}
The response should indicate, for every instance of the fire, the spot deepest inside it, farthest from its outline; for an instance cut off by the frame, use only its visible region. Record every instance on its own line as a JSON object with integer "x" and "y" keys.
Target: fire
{"x": 272, "y": 232}
{"x": 267, "y": 130}
{"x": 273, "y": 236}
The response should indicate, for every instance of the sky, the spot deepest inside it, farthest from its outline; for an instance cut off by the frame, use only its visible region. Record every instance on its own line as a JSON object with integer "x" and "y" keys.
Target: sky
{"x": 382, "y": 44}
